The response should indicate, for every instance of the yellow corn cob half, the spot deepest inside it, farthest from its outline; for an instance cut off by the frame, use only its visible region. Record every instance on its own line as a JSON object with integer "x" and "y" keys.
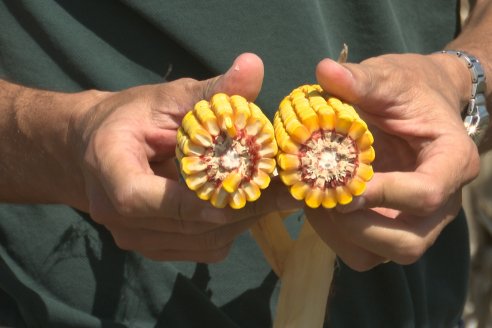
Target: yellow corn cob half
{"x": 226, "y": 149}
{"x": 325, "y": 148}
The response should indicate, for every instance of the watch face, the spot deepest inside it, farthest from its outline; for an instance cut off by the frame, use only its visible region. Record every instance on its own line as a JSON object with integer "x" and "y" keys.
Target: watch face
{"x": 478, "y": 123}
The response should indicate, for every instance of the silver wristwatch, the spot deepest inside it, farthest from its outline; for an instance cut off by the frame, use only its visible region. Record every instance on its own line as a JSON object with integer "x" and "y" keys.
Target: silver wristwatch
{"x": 476, "y": 116}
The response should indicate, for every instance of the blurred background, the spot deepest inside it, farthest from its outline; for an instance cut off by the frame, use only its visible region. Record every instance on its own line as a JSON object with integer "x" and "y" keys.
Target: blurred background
{"x": 477, "y": 202}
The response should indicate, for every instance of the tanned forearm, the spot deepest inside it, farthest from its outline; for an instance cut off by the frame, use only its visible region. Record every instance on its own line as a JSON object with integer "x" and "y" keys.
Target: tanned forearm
{"x": 37, "y": 162}
{"x": 476, "y": 39}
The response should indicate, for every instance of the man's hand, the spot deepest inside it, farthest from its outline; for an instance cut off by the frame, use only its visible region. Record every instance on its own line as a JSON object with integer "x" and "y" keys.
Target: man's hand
{"x": 130, "y": 176}
{"x": 423, "y": 156}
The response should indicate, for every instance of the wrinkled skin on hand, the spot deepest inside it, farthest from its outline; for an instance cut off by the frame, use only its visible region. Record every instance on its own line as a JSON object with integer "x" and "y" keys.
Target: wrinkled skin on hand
{"x": 130, "y": 176}
{"x": 423, "y": 156}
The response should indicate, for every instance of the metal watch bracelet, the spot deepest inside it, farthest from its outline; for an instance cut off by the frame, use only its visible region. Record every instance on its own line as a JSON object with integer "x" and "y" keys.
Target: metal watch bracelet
{"x": 476, "y": 116}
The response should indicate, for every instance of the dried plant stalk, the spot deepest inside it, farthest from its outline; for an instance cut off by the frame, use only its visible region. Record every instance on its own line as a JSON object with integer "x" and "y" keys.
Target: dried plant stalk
{"x": 305, "y": 282}
{"x": 274, "y": 240}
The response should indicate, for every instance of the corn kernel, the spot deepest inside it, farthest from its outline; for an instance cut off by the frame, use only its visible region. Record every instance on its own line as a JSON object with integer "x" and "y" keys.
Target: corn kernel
{"x": 238, "y": 199}
{"x": 288, "y": 161}
{"x": 195, "y": 181}
{"x": 220, "y": 198}
{"x": 314, "y": 197}
{"x": 206, "y": 190}
{"x": 232, "y": 181}
{"x": 299, "y": 190}
{"x": 252, "y": 191}
{"x": 343, "y": 195}
{"x": 195, "y": 130}
{"x": 329, "y": 198}
{"x": 356, "y": 186}
{"x": 206, "y": 117}
{"x": 191, "y": 165}
{"x": 261, "y": 179}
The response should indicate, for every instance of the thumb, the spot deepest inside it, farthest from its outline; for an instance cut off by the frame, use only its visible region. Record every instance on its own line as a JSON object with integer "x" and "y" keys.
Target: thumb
{"x": 350, "y": 82}
{"x": 244, "y": 78}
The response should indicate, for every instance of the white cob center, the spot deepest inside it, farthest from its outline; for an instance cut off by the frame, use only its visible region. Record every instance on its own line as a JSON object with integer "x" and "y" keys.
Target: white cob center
{"x": 230, "y": 160}
{"x": 328, "y": 159}
{"x": 227, "y": 155}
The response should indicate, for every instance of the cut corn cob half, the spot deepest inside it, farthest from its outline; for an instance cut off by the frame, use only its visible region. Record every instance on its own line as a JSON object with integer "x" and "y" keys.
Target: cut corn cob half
{"x": 226, "y": 148}
{"x": 325, "y": 148}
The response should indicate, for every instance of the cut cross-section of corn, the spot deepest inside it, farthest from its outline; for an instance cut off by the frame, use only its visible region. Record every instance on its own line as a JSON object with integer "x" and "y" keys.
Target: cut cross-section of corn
{"x": 226, "y": 148}
{"x": 325, "y": 148}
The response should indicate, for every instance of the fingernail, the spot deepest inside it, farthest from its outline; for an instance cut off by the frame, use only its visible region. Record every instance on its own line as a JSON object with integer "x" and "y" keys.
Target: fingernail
{"x": 356, "y": 204}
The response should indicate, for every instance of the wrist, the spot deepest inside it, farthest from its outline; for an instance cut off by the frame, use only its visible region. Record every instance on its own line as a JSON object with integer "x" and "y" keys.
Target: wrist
{"x": 457, "y": 79}
{"x": 39, "y": 164}
{"x": 475, "y": 115}
{"x": 65, "y": 143}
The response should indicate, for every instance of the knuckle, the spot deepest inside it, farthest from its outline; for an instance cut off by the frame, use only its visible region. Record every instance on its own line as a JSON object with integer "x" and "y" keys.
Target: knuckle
{"x": 123, "y": 243}
{"x": 411, "y": 250}
{"x": 433, "y": 199}
{"x": 472, "y": 162}
{"x": 101, "y": 213}
{"x": 191, "y": 87}
{"x": 362, "y": 263}
{"x": 97, "y": 215}
{"x": 125, "y": 203}
{"x": 207, "y": 90}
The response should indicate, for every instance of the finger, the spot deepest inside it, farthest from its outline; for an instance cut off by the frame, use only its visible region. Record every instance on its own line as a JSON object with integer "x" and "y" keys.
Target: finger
{"x": 356, "y": 83}
{"x": 134, "y": 191}
{"x": 143, "y": 240}
{"x": 411, "y": 192}
{"x": 103, "y": 212}
{"x": 152, "y": 196}
{"x": 338, "y": 80}
{"x": 278, "y": 200}
{"x": 244, "y": 77}
{"x": 356, "y": 257}
{"x": 403, "y": 238}
{"x": 442, "y": 171}
{"x": 275, "y": 199}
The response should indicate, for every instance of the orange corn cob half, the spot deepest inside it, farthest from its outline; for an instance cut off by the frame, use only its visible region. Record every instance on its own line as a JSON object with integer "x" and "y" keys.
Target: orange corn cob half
{"x": 325, "y": 148}
{"x": 226, "y": 149}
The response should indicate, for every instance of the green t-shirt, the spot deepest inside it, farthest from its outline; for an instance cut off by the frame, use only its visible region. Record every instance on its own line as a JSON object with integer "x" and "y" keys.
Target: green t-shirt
{"x": 60, "y": 269}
